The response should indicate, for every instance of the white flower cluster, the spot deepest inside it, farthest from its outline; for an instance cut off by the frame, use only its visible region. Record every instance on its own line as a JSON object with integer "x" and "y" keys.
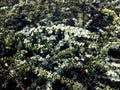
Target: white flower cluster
{"x": 59, "y": 48}
{"x": 113, "y": 75}
{"x": 59, "y": 44}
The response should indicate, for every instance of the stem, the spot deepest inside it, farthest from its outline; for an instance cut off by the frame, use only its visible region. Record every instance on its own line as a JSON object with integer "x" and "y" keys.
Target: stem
{"x": 19, "y": 84}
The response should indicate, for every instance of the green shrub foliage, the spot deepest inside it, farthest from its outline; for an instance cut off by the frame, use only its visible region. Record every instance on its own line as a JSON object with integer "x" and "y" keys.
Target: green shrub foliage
{"x": 59, "y": 45}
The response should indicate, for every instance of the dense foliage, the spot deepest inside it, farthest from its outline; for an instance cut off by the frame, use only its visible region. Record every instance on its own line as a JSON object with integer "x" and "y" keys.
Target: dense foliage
{"x": 59, "y": 45}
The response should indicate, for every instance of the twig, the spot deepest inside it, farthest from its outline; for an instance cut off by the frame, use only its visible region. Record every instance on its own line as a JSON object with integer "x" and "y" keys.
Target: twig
{"x": 19, "y": 84}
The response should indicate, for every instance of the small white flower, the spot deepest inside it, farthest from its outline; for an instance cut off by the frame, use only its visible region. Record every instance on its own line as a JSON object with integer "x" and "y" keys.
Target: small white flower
{"x": 22, "y": 62}
{"x": 26, "y": 41}
{"x": 6, "y": 64}
{"x": 88, "y": 55}
{"x": 12, "y": 72}
{"x": 35, "y": 29}
{"x": 52, "y": 37}
{"x": 50, "y": 31}
{"x": 66, "y": 37}
{"x": 48, "y": 56}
